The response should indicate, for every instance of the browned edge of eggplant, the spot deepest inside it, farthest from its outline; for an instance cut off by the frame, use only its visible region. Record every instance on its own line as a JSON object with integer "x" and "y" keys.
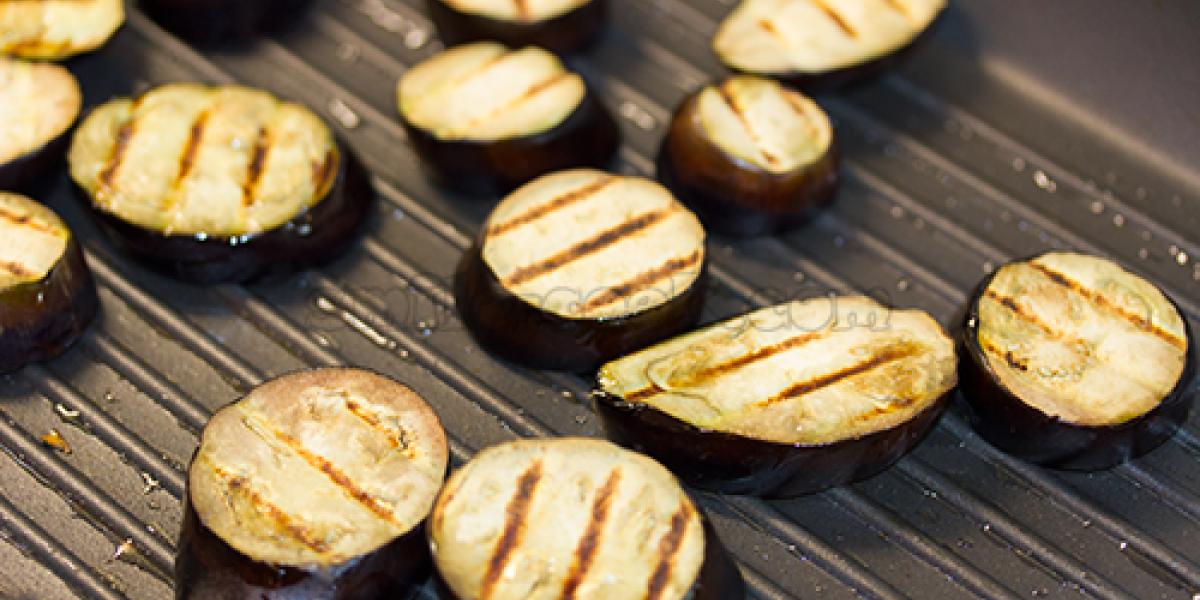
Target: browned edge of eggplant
{"x": 564, "y": 34}
{"x": 589, "y": 137}
{"x": 1012, "y": 425}
{"x": 519, "y": 332}
{"x": 208, "y": 22}
{"x": 24, "y": 171}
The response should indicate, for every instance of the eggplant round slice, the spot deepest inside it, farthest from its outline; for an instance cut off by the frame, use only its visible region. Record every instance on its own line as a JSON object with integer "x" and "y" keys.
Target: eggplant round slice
{"x": 1074, "y": 363}
{"x": 315, "y": 485}
{"x": 820, "y": 43}
{"x": 750, "y": 157}
{"x": 216, "y": 21}
{"x": 786, "y": 400}
{"x": 574, "y": 518}
{"x": 47, "y": 297}
{"x": 38, "y": 104}
{"x": 57, "y": 29}
{"x": 561, "y": 26}
{"x": 579, "y": 267}
{"x": 213, "y": 184}
{"x": 487, "y": 119}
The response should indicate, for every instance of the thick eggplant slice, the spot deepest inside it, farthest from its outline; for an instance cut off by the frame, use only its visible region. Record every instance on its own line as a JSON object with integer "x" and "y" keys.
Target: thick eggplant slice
{"x": 38, "y": 104}
{"x": 487, "y": 119}
{"x": 581, "y": 266}
{"x": 47, "y": 297}
{"x": 315, "y": 485}
{"x": 560, "y": 26}
{"x": 215, "y": 21}
{"x": 786, "y": 400}
{"x": 57, "y": 29}
{"x": 750, "y": 157}
{"x": 820, "y": 43}
{"x": 574, "y": 518}
{"x": 1074, "y": 363}
{"x": 212, "y": 184}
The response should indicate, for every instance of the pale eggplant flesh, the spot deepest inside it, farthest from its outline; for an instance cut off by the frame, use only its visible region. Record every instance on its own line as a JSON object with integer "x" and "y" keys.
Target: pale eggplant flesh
{"x": 39, "y": 102}
{"x": 575, "y": 27}
{"x": 57, "y": 29}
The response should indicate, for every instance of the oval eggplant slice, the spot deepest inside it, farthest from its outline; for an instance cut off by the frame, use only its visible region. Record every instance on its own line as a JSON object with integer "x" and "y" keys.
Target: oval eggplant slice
{"x": 315, "y": 485}
{"x": 561, "y": 26}
{"x": 219, "y": 184}
{"x": 486, "y": 119}
{"x": 38, "y": 104}
{"x": 57, "y": 29}
{"x": 786, "y": 400}
{"x": 750, "y": 157}
{"x": 1072, "y": 362}
{"x": 47, "y": 297}
{"x": 215, "y": 21}
{"x": 574, "y": 518}
{"x": 579, "y": 267}
{"x": 819, "y": 43}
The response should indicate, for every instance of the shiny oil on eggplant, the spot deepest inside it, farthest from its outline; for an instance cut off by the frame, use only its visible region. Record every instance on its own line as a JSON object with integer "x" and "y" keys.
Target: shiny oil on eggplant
{"x": 224, "y": 21}
{"x": 561, "y": 26}
{"x": 57, "y": 29}
{"x": 39, "y": 103}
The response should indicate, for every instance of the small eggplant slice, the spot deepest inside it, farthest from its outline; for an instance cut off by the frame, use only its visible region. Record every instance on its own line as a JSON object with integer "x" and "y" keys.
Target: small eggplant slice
{"x": 561, "y": 26}
{"x": 820, "y": 43}
{"x": 212, "y": 184}
{"x": 38, "y": 104}
{"x": 574, "y": 518}
{"x": 579, "y": 267}
{"x": 57, "y": 29}
{"x": 1074, "y": 363}
{"x": 315, "y": 485}
{"x": 487, "y": 119}
{"x": 218, "y": 21}
{"x": 47, "y": 297}
{"x": 784, "y": 401}
{"x": 750, "y": 157}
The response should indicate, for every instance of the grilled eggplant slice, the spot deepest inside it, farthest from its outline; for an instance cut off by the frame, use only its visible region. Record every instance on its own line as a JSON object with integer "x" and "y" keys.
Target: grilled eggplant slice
{"x": 574, "y": 518}
{"x": 487, "y": 119}
{"x": 217, "y": 21}
{"x": 1074, "y": 363}
{"x": 561, "y": 26}
{"x": 38, "y": 104}
{"x": 581, "y": 266}
{"x": 750, "y": 157}
{"x": 57, "y": 29}
{"x": 47, "y": 297}
{"x": 212, "y": 184}
{"x": 315, "y": 485}
{"x": 786, "y": 400}
{"x": 820, "y": 43}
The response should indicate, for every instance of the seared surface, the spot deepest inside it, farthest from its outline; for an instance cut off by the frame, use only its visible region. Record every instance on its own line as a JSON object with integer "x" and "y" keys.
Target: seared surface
{"x": 38, "y": 103}
{"x": 32, "y": 240}
{"x": 52, "y": 29}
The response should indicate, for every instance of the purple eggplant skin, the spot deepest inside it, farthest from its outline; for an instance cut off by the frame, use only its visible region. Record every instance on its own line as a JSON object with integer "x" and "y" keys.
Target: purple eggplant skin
{"x": 1008, "y": 423}
{"x": 208, "y": 22}
{"x": 589, "y": 137}
{"x": 564, "y": 34}
{"x": 733, "y": 197}
{"x": 518, "y": 332}
{"x": 27, "y": 169}
{"x": 41, "y": 320}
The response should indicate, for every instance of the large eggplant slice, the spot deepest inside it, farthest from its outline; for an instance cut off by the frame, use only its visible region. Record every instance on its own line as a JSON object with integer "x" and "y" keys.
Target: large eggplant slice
{"x": 214, "y": 21}
{"x": 315, "y": 485}
{"x": 581, "y": 266}
{"x": 487, "y": 119}
{"x": 786, "y": 400}
{"x": 38, "y": 104}
{"x": 820, "y": 43}
{"x": 750, "y": 157}
{"x": 574, "y": 518}
{"x": 1074, "y": 363}
{"x": 57, "y": 29}
{"x": 213, "y": 184}
{"x": 560, "y": 26}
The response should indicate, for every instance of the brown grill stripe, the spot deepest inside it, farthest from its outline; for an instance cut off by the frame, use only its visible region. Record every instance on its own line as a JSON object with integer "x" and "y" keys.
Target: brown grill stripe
{"x": 27, "y": 221}
{"x": 529, "y": 93}
{"x": 483, "y": 67}
{"x": 836, "y": 18}
{"x": 901, "y": 8}
{"x": 731, "y": 101}
{"x": 641, "y": 281}
{"x": 1007, "y": 355}
{"x": 522, "y": 7}
{"x": 187, "y": 159}
{"x": 760, "y": 354}
{"x": 299, "y": 532}
{"x": 1024, "y": 315}
{"x": 887, "y": 355}
{"x": 668, "y": 547}
{"x": 801, "y": 112}
{"x": 323, "y": 175}
{"x": 774, "y": 32}
{"x": 514, "y": 528}
{"x": 585, "y": 552}
{"x": 254, "y": 171}
{"x": 642, "y": 394}
{"x": 536, "y": 213}
{"x": 15, "y": 268}
{"x": 375, "y": 423}
{"x": 108, "y": 174}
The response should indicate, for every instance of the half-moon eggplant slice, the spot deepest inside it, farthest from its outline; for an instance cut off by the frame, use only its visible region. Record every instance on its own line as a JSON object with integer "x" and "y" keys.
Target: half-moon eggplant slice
{"x": 579, "y": 267}
{"x": 315, "y": 485}
{"x": 212, "y": 184}
{"x": 47, "y": 297}
{"x": 819, "y": 43}
{"x": 57, "y": 29}
{"x": 38, "y": 104}
{"x": 1073, "y": 362}
{"x": 487, "y": 119}
{"x": 786, "y": 400}
{"x": 215, "y": 21}
{"x": 561, "y": 26}
{"x": 750, "y": 157}
{"x": 575, "y": 518}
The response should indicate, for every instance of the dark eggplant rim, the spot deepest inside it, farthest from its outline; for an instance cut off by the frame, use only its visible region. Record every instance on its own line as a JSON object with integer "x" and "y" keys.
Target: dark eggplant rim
{"x": 212, "y": 22}
{"x": 583, "y": 27}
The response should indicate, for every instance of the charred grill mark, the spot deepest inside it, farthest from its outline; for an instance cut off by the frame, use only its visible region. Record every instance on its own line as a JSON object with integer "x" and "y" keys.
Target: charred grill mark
{"x": 1008, "y": 356}
{"x": 529, "y": 93}
{"x": 191, "y": 147}
{"x": 240, "y": 484}
{"x": 585, "y": 552}
{"x": 323, "y": 175}
{"x": 641, "y": 281}
{"x": 258, "y": 160}
{"x": 836, "y": 17}
{"x": 771, "y": 30}
{"x": 731, "y": 100}
{"x": 668, "y": 547}
{"x": 753, "y": 357}
{"x": 483, "y": 67}
{"x": 16, "y": 269}
{"x": 643, "y": 394}
{"x": 27, "y": 221}
{"x": 108, "y": 174}
{"x": 802, "y": 113}
{"x": 901, "y": 8}
{"x": 1021, "y": 313}
{"x": 522, "y": 7}
{"x": 514, "y": 528}
{"x": 397, "y": 439}
{"x": 887, "y": 355}
{"x": 538, "y": 212}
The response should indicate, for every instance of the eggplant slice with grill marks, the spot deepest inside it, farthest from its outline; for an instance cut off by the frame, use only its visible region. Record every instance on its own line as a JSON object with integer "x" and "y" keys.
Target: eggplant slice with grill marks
{"x": 1072, "y": 362}
{"x": 212, "y": 184}
{"x": 574, "y": 518}
{"x": 487, "y": 119}
{"x": 315, "y": 485}
{"x": 216, "y": 21}
{"x": 57, "y": 29}
{"x": 38, "y": 104}
{"x": 561, "y": 26}
{"x": 581, "y": 266}
{"x": 47, "y": 297}
{"x": 750, "y": 157}
{"x": 786, "y": 400}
